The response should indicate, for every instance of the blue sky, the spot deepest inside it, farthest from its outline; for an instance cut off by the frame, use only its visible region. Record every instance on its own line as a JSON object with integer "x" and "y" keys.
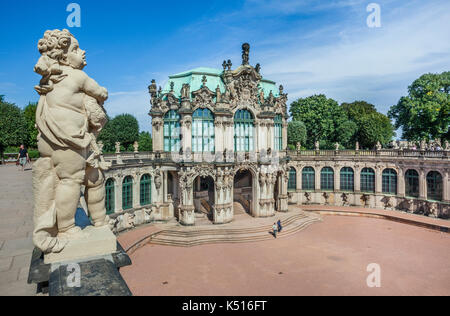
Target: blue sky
{"x": 308, "y": 46}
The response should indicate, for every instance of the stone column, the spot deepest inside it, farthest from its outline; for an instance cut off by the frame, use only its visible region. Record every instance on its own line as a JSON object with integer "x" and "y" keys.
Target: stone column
{"x": 317, "y": 180}
{"x": 118, "y": 194}
{"x": 158, "y": 134}
{"x": 357, "y": 179}
{"x": 401, "y": 183}
{"x": 378, "y": 180}
{"x": 165, "y": 186}
{"x": 186, "y": 133}
{"x": 337, "y": 179}
{"x": 446, "y": 186}
{"x": 136, "y": 191}
{"x": 422, "y": 184}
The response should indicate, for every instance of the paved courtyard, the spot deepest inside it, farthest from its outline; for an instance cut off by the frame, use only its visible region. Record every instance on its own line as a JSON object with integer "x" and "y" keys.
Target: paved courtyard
{"x": 328, "y": 258}
{"x": 16, "y": 227}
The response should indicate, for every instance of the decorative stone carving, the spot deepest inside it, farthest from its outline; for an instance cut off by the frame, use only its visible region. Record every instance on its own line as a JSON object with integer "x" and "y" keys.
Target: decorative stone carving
{"x": 245, "y": 53}
{"x": 136, "y": 147}
{"x": 308, "y": 197}
{"x": 344, "y": 198}
{"x": 365, "y": 199}
{"x": 69, "y": 116}
{"x": 117, "y": 147}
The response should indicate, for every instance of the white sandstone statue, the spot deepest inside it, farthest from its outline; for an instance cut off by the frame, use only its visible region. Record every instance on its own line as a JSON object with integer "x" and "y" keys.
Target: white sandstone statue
{"x": 69, "y": 116}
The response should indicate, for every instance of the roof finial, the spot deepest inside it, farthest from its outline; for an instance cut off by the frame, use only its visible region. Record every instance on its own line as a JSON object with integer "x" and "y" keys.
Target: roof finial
{"x": 204, "y": 81}
{"x": 172, "y": 84}
{"x": 245, "y": 53}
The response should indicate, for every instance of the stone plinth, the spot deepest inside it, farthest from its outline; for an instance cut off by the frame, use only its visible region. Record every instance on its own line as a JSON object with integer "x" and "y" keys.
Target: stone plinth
{"x": 98, "y": 242}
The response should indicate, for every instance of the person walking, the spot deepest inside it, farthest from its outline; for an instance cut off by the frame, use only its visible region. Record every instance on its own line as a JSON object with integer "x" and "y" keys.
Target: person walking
{"x": 274, "y": 228}
{"x": 23, "y": 157}
{"x": 279, "y": 226}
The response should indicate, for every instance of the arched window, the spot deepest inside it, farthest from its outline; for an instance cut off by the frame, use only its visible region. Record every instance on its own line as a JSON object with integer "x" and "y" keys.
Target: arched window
{"x": 127, "y": 193}
{"x": 308, "y": 179}
{"x": 109, "y": 196}
{"x": 327, "y": 179}
{"x": 412, "y": 183}
{"x": 434, "y": 185}
{"x": 203, "y": 131}
{"x": 292, "y": 182}
{"x": 243, "y": 131}
{"x": 172, "y": 131}
{"x": 347, "y": 179}
{"x": 146, "y": 190}
{"x": 278, "y": 133}
{"x": 368, "y": 180}
{"x": 389, "y": 181}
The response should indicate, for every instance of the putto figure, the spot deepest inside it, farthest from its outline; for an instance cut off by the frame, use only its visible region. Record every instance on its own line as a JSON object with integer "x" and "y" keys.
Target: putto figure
{"x": 69, "y": 116}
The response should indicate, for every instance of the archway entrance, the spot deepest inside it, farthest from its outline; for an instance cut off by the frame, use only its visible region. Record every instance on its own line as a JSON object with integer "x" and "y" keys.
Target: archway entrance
{"x": 243, "y": 192}
{"x": 204, "y": 197}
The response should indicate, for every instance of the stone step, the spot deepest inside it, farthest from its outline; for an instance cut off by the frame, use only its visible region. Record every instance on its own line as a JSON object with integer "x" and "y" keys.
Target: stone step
{"x": 191, "y": 238}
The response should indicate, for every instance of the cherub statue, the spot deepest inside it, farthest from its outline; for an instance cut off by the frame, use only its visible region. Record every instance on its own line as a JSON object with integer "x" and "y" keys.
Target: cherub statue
{"x": 69, "y": 116}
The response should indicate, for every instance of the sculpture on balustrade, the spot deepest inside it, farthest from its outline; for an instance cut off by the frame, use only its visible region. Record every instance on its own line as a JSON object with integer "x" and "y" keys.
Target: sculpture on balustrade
{"x": 69, "y": 117}
{"x": 379, "y": 147}
{"x": 117, "y": 146}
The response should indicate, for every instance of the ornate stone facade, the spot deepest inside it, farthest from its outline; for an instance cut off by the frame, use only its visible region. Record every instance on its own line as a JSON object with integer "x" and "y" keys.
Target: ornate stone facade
{"x": 220, "y": 138}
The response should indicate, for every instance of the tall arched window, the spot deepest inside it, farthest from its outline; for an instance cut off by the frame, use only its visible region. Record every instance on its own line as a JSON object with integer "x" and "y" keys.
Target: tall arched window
{"x": 146, "y": 190}
{"x": 109, "y": 196}
{"x": 412, "y": 183}
{"x": 347, "y": 179}
{"x": 172, "y": 131}
{"x": 203, "y": 131}
{"x": 243, "y": 131}
{"x": 368, "y": 180}
{"x": 127, "y": 193}
{"x": 278, "y": 132}
{"x": 292, "y": 182}
{"x": 389, "y": 181}
{"x": 327, "y": 179}
{"x": 434, "y": 186}
{"x": 308, "y": 179}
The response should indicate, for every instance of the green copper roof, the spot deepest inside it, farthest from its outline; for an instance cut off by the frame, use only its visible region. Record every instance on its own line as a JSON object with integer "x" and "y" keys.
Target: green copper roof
{"x": 213, "y": 76}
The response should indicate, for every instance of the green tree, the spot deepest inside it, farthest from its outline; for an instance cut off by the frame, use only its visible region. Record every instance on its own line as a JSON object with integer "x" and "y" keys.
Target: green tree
{"x": 145, "y": 141}
{"x": 30, "y": 117}
{"x": 12, "y": 125}
{"x": 296, "y": 133}
{"x": 124, "y": 129}
{"x": 372, "y": 126}
{"x": 425, "y": 112}
{"x": 325, "y": 121}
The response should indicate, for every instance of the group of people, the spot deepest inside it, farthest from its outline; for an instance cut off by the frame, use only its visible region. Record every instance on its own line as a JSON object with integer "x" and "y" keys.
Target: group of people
{"x": 276, "y": 228}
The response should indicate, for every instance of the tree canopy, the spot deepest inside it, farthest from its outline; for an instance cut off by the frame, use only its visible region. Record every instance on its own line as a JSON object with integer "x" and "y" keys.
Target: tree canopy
{"x": 296, "y": 133}
{"x": 425, "y": 112}
{"x": 13, "y": 129}
{"x": 145, "y": 141}
{"x": 30, "y": 118}
{"x": 372, "y": 126}
{"x": 124, "y": 129}
{"x": 325, "y": 121}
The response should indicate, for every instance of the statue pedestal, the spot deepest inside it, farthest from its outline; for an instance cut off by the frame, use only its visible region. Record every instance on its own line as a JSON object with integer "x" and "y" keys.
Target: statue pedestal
{"x": 98, "y": 276}
{"x": 98, "y": 242}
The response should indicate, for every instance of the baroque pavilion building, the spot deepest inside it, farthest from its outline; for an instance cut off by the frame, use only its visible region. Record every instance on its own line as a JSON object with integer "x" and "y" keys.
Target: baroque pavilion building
{"x": 220, "y": 149}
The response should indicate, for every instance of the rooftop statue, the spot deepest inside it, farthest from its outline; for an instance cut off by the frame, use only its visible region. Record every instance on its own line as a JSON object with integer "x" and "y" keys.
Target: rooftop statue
{"x": 69, "y": 116}
{"x": 245, "y": 53}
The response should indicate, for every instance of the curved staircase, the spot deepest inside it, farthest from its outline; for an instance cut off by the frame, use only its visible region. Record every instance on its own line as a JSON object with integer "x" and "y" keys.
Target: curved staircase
{"x": 201, "y": 235}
